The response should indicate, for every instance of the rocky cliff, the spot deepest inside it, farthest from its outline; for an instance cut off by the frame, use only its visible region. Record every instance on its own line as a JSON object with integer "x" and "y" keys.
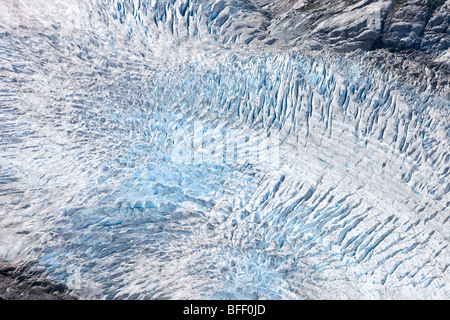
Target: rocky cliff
{"x": 414, "y": 34}
{"x": 365, "y": 24}
{"x": 24, "y": 283}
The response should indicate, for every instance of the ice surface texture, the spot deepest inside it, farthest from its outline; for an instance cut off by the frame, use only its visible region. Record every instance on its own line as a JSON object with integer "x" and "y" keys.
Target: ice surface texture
{"x": 174, "y": 150}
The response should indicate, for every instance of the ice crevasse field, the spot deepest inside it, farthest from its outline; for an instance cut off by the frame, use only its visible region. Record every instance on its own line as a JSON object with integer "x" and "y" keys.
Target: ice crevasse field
{"x": 174, "y": 150}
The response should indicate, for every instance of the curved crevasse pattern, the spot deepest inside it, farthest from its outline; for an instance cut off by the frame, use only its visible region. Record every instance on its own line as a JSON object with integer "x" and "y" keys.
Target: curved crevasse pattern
{"x": 167, "y": 150}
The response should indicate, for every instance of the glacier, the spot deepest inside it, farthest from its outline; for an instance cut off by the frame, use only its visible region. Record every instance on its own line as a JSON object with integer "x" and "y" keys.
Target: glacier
{"x": 178, "y": 150}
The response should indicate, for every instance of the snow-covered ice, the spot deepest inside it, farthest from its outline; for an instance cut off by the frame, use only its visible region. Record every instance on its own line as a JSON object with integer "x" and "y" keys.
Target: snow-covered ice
{"x": 173, "y": 150}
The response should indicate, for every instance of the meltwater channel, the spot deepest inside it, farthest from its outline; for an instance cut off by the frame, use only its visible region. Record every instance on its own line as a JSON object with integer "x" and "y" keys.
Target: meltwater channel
{"x": 175, "y": 150}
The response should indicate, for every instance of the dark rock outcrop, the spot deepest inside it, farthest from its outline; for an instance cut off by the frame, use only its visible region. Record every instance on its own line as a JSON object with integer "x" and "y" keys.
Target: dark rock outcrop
{"x": 23, "y": 283}
{"x": 364, "y": 24}
{"x": 436, "y": 35}
{"x": 413, "y": 35}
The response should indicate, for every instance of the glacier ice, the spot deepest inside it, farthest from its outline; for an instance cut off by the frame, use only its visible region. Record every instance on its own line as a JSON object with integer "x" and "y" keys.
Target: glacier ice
{"x": 174, "y": 150}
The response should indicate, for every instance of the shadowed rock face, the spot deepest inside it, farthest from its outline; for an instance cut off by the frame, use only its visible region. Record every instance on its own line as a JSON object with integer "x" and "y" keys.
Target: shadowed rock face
{"x": 21, "y": 283}
{"x": 350, "y": 25}
{"x": 416, "y": 31}
{"x": 436, "y": 35}
{"x": 418, "y": 25}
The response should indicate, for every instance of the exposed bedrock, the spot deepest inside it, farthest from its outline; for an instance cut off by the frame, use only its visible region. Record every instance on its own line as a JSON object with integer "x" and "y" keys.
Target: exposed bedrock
{"x": 24, "y": 283}
{"x": 416, "y": 31}
{"x": 369, "y": 24}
